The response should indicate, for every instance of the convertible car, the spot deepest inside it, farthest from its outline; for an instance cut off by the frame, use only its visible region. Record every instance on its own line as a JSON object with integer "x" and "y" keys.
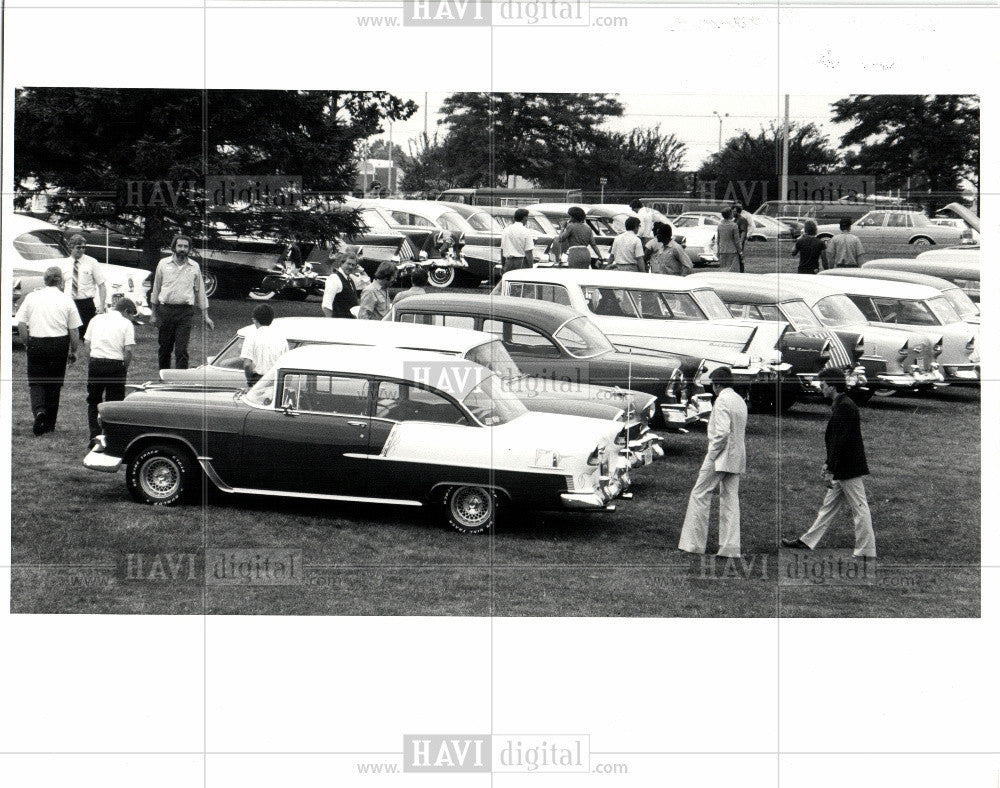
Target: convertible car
{"x": 546, "y": 390}
{"x": 399, "y": 427}
{"x": 555, "y": 343}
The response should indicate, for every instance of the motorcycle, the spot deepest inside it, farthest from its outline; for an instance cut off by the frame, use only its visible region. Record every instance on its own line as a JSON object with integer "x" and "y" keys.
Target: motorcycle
{"x": 294, "y": 284}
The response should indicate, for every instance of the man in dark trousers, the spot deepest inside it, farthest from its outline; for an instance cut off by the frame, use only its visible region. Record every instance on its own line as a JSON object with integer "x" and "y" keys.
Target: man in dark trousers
{"x": 844, "y": 470}
{"x": 178, "y": 290}
{"x": 340, "y": 295}
{"x": 48, "y": 323}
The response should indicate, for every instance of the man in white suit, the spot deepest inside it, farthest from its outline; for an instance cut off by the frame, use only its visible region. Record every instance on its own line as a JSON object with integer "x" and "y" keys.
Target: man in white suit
{"x": 725, "y": 460}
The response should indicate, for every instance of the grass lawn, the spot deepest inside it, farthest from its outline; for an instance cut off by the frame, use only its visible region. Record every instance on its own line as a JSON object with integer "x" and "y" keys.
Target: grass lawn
{"x": 74, "y": 530}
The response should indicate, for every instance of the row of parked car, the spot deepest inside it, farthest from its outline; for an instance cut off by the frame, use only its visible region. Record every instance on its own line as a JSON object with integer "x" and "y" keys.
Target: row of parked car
{"x": 545, "y": 394}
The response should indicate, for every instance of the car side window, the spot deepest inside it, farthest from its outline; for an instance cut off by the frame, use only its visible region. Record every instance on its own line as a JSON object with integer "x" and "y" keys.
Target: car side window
{"x": 737, "y": 310}
{"x": 311, "y": 392}
{"x": 899, "y": 220}
{"x": 450, "y": 224}
{"x": 520, "y": 339}
{"x": 864, "y": 303}
{"x": 874, "y": 219}
{"x": 609, "y": 302}
{"x": 404, "y": 402}
{"x": 768, "y": 312}
{"x": 460, "y": 321}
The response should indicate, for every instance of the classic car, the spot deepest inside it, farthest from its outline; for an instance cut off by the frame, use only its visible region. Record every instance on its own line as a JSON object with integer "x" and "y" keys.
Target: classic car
{"x": 957, "y": 297}
{"x": 542, "y": 390}
{"x": 30, "y": 246}
{"x": 608, "y": 220}
{"x": 661, "y": 313}
{"x": 555, "y": 213}
{"x": 899, "y": 227}
{"x": 400, "y": 427}
{"x": 480, "y": 249}
{"x": 891, "y": 304}
{"x": 960, "y": 212}
{"x": 853, "y": 208}
{"x": 895, "y": 358}
{"x": 552, "y": 342}
{"x": 808, "y": 345}
{"x": 959, "y": 268}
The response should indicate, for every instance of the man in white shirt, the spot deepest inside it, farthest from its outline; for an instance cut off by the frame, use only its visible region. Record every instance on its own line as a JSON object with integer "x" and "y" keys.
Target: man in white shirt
{"x": 517, "y": 244}
{"x": 262, "y": 346}
{"x": 109, "y": 341}
{"x": 645, "y": 231}
{"x": 627, "y": 252}
{"x": 340, "y": 295}
{"x": 84, "y": 281}
{"x": 48, "y": 324}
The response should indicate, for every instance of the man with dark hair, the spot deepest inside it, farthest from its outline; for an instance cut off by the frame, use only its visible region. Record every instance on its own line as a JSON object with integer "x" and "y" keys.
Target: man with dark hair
{"x": 724, "y": 462}
{"x": 843, "y": 470}
{"x": 262, "y": 346}
{"x": 340, "y": 296}
{"x": 109, "y": 341}
{"x": 844, "y": 250}
{"x": 744, "y": 224}
{"x": 627, "y": 252}
{"x": 645, "y": 231}
{"x": 178, "y": 290}
{"x": 727, "y": 240}
{"x": 47, "y": 321}
{"x": 374, "y": 303}
{"x": 84, "y": 281}
{"x": 418, "y": 284}
{"x": 517, "y": 244}
{"x": 810, "y": 249}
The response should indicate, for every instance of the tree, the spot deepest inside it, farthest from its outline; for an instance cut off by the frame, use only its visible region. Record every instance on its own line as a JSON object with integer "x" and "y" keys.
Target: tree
{"x": 83, "y": 140}
{"x": 924, "y": 142}
{"x": 641, "y": 160}
{"x": 748, "y": 168}
{"x": 427, "y": 166}
{"x": 539, "y": 136}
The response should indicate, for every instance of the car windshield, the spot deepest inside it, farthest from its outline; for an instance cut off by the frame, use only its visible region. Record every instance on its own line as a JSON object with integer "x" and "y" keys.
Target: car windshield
{"x": 229, "y": 357}
{"x": 582, "y": 339}
{"x": 603, "y": 225}
{"x": 800, "y": 315}
{"x": 41, "y": 245}
{"x": 686, "y": 221}
{"x": 961, "y": 302}
{"x": 262, "y": 392}
{"x": 839, "y": 310}
{"x": 494, "y": 356}
{"x": 450, "y": 220}
{"x": 943, "y": 310}
{"x": 492, "y": 404}
{"x": 712, "y": 305}
{"x": 484, "y": 223}
{"x": 544, "y": 224}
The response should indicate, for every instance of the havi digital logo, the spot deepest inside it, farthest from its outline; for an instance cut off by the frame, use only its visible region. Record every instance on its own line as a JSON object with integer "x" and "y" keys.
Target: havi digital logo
{"x": 444, "y": 753}
{"x": 442, "y": 13}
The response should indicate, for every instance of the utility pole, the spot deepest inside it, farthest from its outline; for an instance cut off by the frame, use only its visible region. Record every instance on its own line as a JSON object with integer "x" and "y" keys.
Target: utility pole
{"x": 425, "y": 115}
{"x": 783, "y": 196}
{"x": 391, "y": 179}
{"x": 720, "y": 117}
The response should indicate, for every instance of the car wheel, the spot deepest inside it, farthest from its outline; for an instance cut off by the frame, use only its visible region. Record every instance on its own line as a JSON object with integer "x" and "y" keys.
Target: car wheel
{"x": 441, "y": 276}
{"x": 211, "y": 280}
{"x": 921, "y": 240}
{"x": 160, "y": 474}
{"x": 262, "y": 295}
{"x": 470, "y": 509}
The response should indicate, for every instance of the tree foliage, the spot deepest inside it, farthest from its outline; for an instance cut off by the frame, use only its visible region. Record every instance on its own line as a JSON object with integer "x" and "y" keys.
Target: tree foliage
{"x": 86, "y": 140}
{"x": 644, "y": 159}
{"x": 932, "y": 140}
{"x": 748, "y": 168}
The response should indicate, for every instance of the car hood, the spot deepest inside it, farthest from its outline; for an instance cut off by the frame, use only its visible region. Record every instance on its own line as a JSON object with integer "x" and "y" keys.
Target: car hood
{"x": 964, "y": 214}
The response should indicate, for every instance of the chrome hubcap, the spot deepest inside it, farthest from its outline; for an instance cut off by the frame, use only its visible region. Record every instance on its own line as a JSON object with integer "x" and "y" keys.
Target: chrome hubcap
{"x": 472, "y": 506}
{"x": 160, "y": 478}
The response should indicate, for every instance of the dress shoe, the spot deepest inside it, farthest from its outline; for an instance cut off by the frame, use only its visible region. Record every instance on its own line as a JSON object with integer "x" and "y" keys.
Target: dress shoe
{"x": 39, "y": 426}
{"x": 795, "y": 544}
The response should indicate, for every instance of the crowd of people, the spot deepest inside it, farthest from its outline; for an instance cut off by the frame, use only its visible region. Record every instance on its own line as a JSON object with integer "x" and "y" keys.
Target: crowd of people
{"x": 71, "y": 308}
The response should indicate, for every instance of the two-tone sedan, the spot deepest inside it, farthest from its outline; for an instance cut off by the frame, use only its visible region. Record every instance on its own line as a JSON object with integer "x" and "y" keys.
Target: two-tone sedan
{"x": 398, "y": 427}
{"x": 551, "y": 342}
{"x": 902, "y": 304}
{"x": 900, "y": 227}
{"x": 664, "y": 314}
{"x": 552, "y": 389}
{"x": 895, "y": 358}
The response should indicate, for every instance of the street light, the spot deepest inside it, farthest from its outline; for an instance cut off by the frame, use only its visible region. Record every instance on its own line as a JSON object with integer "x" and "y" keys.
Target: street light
{"x": 720, "y": 117}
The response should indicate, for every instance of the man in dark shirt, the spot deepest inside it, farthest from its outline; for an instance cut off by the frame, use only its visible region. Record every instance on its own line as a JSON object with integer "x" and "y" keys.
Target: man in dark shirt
{"x": 845, "y": 467}
{"x": 810, "y": 249}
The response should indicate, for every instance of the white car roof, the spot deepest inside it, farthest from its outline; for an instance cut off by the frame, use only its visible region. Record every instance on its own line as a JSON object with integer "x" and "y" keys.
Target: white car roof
{"x": 16, "y": 224}
{"x": 427, "y": 207}
{"x": 592, "y": 278}
{"x": 443, "y": 339}
{"x": 452, "y": 375}
{"x": 861, "y": 285}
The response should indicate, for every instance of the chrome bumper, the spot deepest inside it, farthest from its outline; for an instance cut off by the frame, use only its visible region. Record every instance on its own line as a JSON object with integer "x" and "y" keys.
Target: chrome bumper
{"x": 643, "y": 450}
{"x": 810, "y": 382}
{"x": 609, "y": 487}
{"x": 697, "y": 408}
{"x": 968, "y": 372}
{"x": 910, "y": 380}
{"x": 99, "y": 461}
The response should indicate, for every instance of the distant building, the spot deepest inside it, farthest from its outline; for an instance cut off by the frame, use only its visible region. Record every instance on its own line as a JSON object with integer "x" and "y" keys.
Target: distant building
{"x": 377, "y": 175}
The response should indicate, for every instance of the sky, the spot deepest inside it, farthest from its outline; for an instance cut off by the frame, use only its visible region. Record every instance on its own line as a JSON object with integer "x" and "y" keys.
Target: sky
{"x": 690, "y": 117}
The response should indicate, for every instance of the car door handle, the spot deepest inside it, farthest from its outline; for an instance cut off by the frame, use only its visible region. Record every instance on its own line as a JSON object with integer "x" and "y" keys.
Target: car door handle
{"x": 358, "y": 423}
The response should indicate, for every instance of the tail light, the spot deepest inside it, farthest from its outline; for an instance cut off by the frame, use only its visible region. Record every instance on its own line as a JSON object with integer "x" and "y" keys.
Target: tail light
{"x": 676, "y": 390}
{"x": 970, "y": 346}
{"x": 825, "y": 355}
{"x": 859, "y": 348}
{"x": 904, "y": 351}
{"x": 938, "y": 347}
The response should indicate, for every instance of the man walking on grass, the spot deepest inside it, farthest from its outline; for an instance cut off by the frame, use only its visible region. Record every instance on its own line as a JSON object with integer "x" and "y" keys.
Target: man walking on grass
{"x": 725, "y": 461}
{"x": 845, "y": 467}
